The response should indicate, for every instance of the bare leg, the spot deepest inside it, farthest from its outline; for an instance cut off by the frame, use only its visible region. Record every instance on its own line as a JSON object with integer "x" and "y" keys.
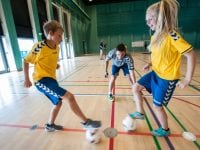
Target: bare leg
{"x": 101, "y": 55}
{"x": 111, "y": 84}
{"x": 162, "y": 116}
{"x": 138, "y": 97}
{"x": 54, "y": 112}
{"x": 74, "y": 106}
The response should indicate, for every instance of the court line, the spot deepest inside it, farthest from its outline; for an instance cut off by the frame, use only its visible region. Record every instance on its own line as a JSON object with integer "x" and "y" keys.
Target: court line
{"x": 82, "y": 130}
{"x": 103, "y": 94}
{"x": 154, "y": 137}
{"x": 186, "y": 102}
{"x": 158, "y": 123}
{"x": 179, "y": 123}
{"x": 73, "y": 72}
{"x": 112, "y": 123}
{"x": 194, "y": 87}
{"x": 195, "y": 80}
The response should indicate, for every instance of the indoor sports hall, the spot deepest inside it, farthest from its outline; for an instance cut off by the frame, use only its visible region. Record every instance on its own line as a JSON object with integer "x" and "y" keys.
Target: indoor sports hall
{"x": 91, "y": 29}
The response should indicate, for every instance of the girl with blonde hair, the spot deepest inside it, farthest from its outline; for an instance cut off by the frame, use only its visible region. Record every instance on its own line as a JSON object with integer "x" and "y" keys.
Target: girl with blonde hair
{"x": 167, "y": 47}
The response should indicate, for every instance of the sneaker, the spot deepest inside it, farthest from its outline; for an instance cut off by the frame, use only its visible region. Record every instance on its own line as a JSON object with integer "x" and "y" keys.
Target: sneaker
{"x": 160, "y": 132}
{"x": 52, "y": 127}
{"x": 136, "y": 115}
{"x": 110, "y": 97}
{"x": 91, "y": 124}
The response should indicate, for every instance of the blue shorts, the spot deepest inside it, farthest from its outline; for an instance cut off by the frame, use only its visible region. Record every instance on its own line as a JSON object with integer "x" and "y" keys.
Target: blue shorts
{"x": 51, "y": 89}
{"x": 161, "y": 89}
{"x": 115, "y": 70}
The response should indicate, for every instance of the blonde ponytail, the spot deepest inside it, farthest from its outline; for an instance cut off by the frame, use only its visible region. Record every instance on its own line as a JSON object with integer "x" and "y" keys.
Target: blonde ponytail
{"x": 167, "y": 19}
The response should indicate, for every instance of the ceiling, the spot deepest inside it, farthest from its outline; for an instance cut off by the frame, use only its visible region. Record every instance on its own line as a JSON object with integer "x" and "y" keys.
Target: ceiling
{"x": 96, "y": 2}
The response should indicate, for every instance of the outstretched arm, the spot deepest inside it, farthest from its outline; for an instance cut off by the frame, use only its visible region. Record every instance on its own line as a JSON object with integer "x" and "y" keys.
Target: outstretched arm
{"x": 132, "y": 76}
{"x": 27, "y": 82}
{"x": 106, "y": 68}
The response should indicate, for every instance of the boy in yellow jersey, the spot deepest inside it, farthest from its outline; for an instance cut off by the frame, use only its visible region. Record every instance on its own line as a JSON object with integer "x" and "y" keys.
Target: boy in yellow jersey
{"x": 44, "y": 55}
{"x": 167, "y": 47}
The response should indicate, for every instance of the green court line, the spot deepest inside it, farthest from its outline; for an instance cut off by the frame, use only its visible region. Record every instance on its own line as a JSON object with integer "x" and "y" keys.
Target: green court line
{"x": 154, "y": 137}
{"x": 181, "y": 125}
{"x": 194, "y": 87}
{"x": 177, "y": 120}
{"x": 149, "y": 125}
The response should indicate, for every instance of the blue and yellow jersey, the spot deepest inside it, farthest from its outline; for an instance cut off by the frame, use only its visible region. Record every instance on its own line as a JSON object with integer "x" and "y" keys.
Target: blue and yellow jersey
{"x": 44, "y": 59}
{"x": 166, "y": 59}
{"x": 127, "y": 59}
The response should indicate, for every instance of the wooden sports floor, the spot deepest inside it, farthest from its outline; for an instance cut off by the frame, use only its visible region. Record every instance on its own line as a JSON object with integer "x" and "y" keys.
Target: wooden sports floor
{"x": 23, "y": 112}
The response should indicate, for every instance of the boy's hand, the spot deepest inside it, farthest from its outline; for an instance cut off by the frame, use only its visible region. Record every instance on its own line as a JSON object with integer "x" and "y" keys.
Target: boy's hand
{"x": 106, "y": 74}
{"x": 27, "y": 83}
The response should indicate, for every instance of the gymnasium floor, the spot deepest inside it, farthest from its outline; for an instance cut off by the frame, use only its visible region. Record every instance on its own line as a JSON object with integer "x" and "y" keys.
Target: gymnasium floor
{"x": 23, "y": 112}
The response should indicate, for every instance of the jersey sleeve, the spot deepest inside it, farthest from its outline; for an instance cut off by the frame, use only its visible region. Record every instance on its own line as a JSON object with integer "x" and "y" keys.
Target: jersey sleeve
{"x": 130, "y": 62}
{"x": 110, "y": 55}
{"x": 34, "y": 54}
{"x": 179, "y": 43}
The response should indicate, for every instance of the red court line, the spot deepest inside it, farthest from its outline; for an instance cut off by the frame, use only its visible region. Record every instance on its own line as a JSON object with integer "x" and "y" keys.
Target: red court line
{"x": 149, "y": 134}
{"x": 111, "y": 142}
{"x": 82, "y": 130}
{"x": 186, "y": 102}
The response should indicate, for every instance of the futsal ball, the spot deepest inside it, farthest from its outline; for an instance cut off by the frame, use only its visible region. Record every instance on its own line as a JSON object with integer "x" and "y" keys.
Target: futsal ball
{"x": 93, "y": 135}
{"x": 129, "y": 124}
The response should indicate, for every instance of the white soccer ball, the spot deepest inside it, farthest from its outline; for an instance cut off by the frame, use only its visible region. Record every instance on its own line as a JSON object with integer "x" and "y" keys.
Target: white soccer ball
{"x": 129, "y": 124}
{"x": 93, "y": 135}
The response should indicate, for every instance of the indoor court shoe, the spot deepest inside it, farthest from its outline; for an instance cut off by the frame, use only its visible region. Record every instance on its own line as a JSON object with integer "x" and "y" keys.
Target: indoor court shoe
{"x": 91, "y": 124}
{"x": 160, "y": 132}
{"x": 110, "y": 98}
{"x": 52, "y": 127}
{"x": 136, "y": 115}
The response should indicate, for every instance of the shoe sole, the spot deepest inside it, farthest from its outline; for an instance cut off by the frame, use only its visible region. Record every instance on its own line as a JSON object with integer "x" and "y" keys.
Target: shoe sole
{"x": 111, "y": 100}
{"x": 159, "y": 135}
{"x": 142, "y": 118}
{"x": 91, "y": 128}
{"x": 50, "y": 130}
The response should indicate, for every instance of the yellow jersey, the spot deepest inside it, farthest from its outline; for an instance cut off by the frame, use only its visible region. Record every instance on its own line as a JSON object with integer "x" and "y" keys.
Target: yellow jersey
{"x": 44, "y": 59}
{"x": 166, "y": 59}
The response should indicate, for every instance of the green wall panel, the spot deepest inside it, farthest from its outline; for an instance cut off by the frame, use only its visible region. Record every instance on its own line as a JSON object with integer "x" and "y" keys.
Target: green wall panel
{"x": 125, "y": 22}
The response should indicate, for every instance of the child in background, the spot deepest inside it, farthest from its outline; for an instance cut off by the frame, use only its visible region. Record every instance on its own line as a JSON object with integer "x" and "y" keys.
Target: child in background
{"x": 120, "y": 60}
{"x": 102, "y": 48}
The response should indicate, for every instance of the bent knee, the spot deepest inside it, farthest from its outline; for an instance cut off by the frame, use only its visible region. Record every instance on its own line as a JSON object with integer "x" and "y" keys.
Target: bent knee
{"x": 137, "y": 88}
{"x": 68, "y": 96}
{"x": 158, "y": 108}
